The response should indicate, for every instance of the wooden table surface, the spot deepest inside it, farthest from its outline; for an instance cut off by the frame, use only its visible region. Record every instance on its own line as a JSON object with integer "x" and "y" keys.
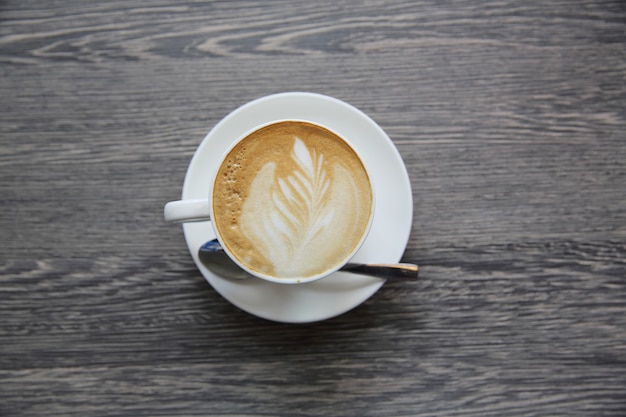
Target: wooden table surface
{"x": 510, "y": 117}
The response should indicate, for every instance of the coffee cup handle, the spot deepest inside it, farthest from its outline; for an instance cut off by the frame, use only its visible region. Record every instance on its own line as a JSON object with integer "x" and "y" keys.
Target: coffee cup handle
{"x": 182, "y": 211}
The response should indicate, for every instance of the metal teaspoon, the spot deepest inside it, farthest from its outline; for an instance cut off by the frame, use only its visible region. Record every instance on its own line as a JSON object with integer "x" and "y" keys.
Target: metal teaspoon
{"x": 214, "y": 258}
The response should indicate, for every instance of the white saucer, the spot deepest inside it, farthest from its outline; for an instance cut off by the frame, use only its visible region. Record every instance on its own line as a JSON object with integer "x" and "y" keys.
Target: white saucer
{"x": 386, "y": 242}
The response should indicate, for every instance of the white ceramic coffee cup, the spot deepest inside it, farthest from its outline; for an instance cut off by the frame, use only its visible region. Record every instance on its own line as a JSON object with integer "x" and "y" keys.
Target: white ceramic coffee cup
{"x": 195, "y": 210}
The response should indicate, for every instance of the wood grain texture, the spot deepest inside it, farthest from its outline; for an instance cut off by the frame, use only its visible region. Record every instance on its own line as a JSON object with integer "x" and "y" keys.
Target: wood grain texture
{"x": 510, "y": 117}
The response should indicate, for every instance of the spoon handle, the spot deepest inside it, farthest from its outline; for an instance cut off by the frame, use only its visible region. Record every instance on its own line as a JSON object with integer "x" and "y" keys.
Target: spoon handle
{"x": 384, "y": 271}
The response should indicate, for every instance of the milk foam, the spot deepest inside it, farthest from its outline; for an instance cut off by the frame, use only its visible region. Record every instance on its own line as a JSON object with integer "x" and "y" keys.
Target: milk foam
{"x": 302, "y": 211}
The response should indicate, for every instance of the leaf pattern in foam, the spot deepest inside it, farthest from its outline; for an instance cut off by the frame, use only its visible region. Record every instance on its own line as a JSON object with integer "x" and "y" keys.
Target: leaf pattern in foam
{"x": 297, "y": 223}
{"x": 300, "y": 198}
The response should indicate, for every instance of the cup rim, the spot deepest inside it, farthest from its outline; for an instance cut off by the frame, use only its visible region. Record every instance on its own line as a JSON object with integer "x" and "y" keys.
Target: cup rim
{"x": 295, "y": 280}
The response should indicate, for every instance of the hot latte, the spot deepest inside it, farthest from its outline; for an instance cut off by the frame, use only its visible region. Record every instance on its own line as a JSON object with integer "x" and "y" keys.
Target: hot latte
{"x": 292, "y": 200}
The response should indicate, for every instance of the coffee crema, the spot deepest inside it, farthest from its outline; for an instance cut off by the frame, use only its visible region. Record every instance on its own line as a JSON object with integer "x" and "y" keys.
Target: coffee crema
{"x": 292, "y": 200}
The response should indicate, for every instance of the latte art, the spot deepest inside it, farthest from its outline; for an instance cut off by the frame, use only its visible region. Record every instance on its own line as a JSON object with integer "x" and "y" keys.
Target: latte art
{"x": 297, "y": 225}
{"x": 292, "y": 200}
